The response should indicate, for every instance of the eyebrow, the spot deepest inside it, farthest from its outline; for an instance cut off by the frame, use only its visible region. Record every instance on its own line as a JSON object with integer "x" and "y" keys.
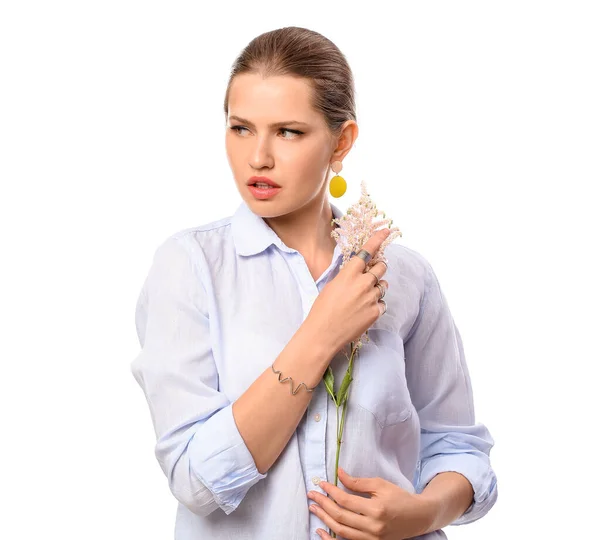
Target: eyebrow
{"x": 276, "y": 124}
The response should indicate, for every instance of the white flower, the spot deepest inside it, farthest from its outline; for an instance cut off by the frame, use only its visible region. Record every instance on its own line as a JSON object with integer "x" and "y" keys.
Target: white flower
{"x": 356, "y": 227}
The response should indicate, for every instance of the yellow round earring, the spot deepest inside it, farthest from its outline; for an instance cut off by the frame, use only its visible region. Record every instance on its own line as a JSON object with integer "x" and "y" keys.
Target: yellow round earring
{"x": 337, "y": 185}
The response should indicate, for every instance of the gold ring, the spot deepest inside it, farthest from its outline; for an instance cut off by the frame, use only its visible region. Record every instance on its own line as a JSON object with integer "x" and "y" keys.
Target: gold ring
{"x": 369, "y": 271}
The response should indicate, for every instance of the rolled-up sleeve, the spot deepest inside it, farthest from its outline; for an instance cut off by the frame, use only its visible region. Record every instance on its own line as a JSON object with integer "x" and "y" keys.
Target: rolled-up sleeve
{"x": 198, "y": 445}
{"x": 440, "y": 388}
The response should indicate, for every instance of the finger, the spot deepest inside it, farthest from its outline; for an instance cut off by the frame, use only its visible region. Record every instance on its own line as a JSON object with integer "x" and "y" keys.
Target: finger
{"x": 378, "y": 270}
{"x": 355, "y": 503}
{"x": 338, "y": 511}
{"x": 379, "y": 294}
{"x": 365, "y": 484}
{"x": 338, "y": 528}
{"x": 372, "y": 245}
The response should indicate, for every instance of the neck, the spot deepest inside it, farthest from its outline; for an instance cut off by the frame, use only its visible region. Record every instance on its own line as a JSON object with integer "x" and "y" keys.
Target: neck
{"x": 307, "y": 230}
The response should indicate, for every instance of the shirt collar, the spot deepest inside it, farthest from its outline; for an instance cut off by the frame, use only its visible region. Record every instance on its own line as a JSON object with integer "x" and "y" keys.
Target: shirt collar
{"x": 252, "y": 235}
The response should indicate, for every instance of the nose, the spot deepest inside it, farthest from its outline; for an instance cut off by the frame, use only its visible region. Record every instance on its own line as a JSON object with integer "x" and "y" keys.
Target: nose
{"x": 261, "y": 156}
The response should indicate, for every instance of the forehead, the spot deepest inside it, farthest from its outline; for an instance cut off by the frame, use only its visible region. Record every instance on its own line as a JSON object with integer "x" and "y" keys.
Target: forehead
{"x": 254, "y": 97}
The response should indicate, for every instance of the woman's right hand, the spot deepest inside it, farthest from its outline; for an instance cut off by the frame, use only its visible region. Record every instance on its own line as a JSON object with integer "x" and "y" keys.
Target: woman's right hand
{"x": 349, "y": 304}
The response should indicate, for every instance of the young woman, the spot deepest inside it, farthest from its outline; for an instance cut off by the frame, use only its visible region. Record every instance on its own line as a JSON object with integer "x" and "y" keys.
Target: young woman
{"x": 239, "y": 319}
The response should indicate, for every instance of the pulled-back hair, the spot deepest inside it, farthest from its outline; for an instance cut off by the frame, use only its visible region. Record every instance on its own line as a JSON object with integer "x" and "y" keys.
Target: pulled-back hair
{"x": 303, "y": 53}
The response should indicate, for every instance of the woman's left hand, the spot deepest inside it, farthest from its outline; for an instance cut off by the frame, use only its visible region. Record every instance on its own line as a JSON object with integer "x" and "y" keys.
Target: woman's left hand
{"x": 391, "y": 513}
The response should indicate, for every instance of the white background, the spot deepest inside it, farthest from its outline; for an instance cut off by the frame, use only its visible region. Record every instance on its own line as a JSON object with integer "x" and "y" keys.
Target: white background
{"x": 479, "y": 135}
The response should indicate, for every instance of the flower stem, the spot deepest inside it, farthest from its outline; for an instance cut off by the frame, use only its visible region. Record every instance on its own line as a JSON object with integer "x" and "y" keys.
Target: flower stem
{"x": 340, "y": 426}
{"x": 339, "y": 440}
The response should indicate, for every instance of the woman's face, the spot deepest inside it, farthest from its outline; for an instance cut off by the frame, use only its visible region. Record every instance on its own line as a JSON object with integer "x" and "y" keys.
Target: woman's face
{"x": 294, "y": 154}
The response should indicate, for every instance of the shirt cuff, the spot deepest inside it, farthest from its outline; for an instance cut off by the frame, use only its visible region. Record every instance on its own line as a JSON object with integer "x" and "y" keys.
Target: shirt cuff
{"x": 221, "y": 460}
{"x": 475, "y": 470}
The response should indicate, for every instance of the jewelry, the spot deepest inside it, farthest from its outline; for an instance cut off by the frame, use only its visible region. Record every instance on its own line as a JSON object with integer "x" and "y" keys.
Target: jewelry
{"x": 384, "y": 305}
{"x": 292, "y": 383}
{"x": 369, "y": 272}
{"x": 382, "y": 289}
{"x": 364, "y": 255}
{"x": 337, "y": 185}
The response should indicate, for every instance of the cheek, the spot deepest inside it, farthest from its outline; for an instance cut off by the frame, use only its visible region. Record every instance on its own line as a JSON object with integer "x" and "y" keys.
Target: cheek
{"x": 233, "y": 153}
{"x": 310, "y": 159}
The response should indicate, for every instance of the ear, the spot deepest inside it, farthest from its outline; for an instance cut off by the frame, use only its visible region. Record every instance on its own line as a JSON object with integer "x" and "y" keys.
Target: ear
{"x": 345, "y": 141}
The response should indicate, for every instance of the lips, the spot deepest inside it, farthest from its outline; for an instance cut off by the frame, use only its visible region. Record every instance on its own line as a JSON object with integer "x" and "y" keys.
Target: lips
{"x": 261, "y": 180}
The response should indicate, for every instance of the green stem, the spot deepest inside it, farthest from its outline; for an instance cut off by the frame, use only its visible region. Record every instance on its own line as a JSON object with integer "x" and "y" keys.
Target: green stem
{"x": 340, "y": 427}
{"x": 339, "y": 438}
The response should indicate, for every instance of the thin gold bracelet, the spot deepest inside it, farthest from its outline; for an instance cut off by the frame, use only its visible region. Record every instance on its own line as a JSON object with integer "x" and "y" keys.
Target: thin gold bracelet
{"x": 291, "y": 382}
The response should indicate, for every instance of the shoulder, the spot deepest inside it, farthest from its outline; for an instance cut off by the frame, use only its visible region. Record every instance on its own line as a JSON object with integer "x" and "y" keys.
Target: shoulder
{"x": 409, "y": 265}
{"x": 216, "y": 228}
{"x": 193, "y": 247}
{"x": 199, "y": 237}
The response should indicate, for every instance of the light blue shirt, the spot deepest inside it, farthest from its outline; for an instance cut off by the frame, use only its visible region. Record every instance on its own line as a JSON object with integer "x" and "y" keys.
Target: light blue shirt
{"x": 219, "y": 304}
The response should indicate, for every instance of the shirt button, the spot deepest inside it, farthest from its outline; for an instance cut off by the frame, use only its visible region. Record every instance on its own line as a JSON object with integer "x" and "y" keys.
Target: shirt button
{"x": 316, "y": 480}
{"x": 317, "y": 417}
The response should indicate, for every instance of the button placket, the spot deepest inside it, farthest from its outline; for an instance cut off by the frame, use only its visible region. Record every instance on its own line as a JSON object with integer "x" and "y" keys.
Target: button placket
{"x": 315, "y": 450}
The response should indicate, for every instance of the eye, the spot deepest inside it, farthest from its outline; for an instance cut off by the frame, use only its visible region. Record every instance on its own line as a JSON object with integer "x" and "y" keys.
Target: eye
{"x": 235, "y": 128}
{"x": 295, "y": 132}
